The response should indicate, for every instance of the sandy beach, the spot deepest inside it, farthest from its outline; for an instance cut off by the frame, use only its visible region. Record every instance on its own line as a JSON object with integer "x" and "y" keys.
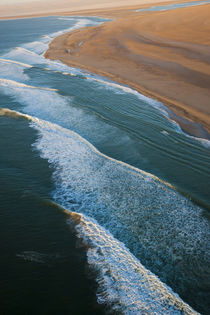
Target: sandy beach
{"x": 105, "y": 200}
{"x": 164, "y": 55}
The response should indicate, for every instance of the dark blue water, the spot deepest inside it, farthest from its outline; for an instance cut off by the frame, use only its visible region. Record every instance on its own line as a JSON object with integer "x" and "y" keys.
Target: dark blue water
{"x": 175, "y": 6}
{"x": 76, "y": 140}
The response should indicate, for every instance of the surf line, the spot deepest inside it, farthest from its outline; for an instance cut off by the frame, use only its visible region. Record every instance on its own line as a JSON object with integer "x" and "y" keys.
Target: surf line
{"x": 158, "y": 101}
{"x": 124, "y": 283}
{"x": 130, "y": 168}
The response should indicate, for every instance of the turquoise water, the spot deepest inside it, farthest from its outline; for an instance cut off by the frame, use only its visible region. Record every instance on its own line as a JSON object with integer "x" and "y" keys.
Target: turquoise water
{"x": 74, "y": 140}
{"x": 175, "y": 6}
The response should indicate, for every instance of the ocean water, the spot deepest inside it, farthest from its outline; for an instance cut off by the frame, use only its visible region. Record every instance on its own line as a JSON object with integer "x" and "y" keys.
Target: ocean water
{"x": 175, "y": 6}
{"x": 104, "y": 199}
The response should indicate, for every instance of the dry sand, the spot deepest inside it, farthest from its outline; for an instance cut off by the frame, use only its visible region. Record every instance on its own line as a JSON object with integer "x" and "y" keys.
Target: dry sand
{"x": 165, "y": 55}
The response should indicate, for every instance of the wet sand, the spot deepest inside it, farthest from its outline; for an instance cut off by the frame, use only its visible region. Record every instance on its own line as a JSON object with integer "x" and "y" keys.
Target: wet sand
{"x": 164, "y": 55}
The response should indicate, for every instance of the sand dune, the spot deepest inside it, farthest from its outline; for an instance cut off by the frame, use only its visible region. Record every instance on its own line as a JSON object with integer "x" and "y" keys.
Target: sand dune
{"x": 165, "y": 55}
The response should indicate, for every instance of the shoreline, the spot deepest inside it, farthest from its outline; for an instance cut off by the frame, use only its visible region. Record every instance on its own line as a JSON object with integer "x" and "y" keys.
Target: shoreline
{"x": 152, "y": 65}
{"x": 193, "y": 118}
{"x": 176, "y": 112}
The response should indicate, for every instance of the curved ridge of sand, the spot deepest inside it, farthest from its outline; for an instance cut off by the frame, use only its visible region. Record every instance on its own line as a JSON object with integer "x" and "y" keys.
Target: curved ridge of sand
{"x": 164, "y": 55}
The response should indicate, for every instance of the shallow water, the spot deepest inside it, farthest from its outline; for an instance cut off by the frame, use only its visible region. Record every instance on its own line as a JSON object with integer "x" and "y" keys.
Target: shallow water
{"x": 174, "y": 6}
{"x": 99, "y": 139}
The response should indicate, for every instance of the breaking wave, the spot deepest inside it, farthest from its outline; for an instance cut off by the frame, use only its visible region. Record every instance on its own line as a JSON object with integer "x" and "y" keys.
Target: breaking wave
{"x": 162, "y": 228}
{"x": 165, "y": 230}
{"x": 13, "y": 70}
{"x": 133, "y": 207}
{"x": 124, "y": 284}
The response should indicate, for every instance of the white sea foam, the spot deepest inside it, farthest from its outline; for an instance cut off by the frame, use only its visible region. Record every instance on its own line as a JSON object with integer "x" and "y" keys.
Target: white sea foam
{"x": 71, "y": 74}
{"x": 164, "y": 132}
{"x": 13, "y": 62}
{"x": 41, "y": 46}
{"x": 15, "y": 86}
{"x": 37, "y": 47}
{"x": 13, "y": 70}
{"x": 160, "y": 226}
{"x": 62, "y": 68}
{"x": 32, "y": 53}
{"x": 21, "y": 54}
{"x": 124, "y": 284}
{"x": 80, "y": 23}
{"x": 204, "y": 142}
{"x": 42, "y": 102}
{"x": 46, "y": 104}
